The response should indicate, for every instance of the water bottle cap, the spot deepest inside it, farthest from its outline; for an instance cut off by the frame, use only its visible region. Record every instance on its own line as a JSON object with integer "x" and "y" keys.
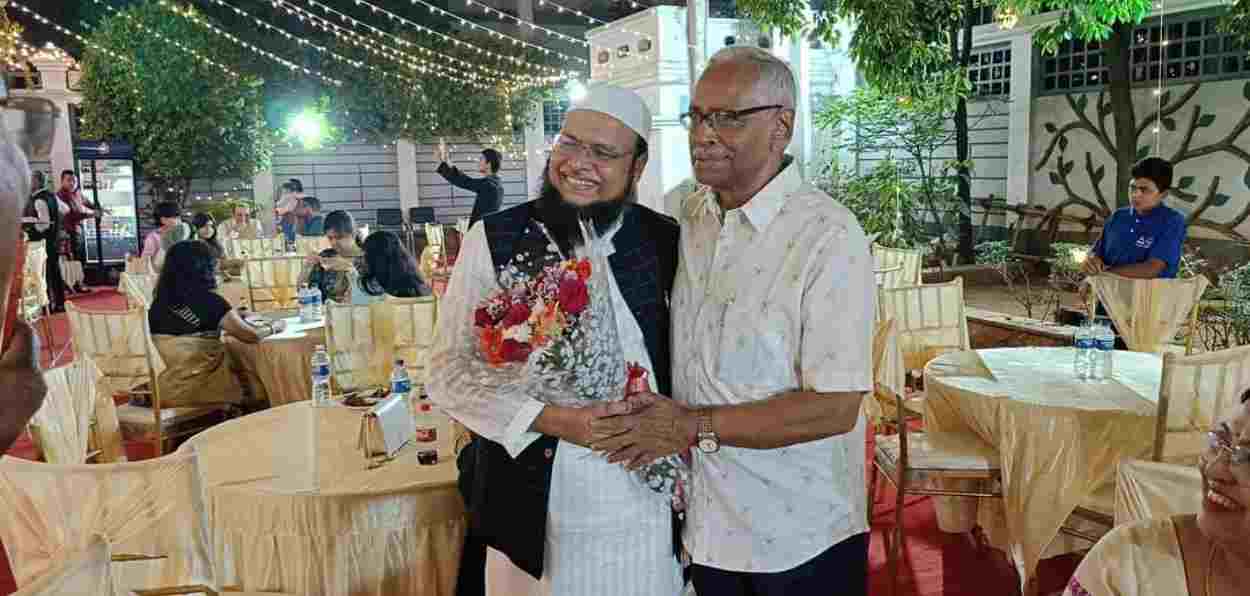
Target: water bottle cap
{"x": 399, "y": 363}
{"x": 425, "y": 407}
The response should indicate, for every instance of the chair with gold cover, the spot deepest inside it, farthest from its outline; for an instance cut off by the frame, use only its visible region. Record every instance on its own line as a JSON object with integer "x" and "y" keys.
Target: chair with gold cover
{"x": 413, "y": 322}
{"x": 929, "y": 321}
{"x": 311, "y": 245}
{"x": 1148, "y": 312}
{"x": 1150, "y": 489}
{"x": 139, "y": 288}
{"x": 150, "y": 514}
{"x": 889, "y": 277}
{"x": 34, "y": 304}
{"x": 911, "y": 260}
{"x": 360, "y": 352}
{"x": 273, "y": 283}
{"x": 88, "y": 570}
{"x": 258, "y": 248}
{"x": 77, "y": 422}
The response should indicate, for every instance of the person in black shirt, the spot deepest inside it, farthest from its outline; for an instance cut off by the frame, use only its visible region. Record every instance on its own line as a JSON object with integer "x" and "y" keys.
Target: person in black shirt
{"x": 488, "y": 188}
{"x": 45, "y": 209}
{"x": 187, "y": 318}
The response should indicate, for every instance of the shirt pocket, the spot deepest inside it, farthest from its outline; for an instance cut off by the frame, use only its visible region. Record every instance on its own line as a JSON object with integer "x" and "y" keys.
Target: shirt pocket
{"x": 754, "y": 349}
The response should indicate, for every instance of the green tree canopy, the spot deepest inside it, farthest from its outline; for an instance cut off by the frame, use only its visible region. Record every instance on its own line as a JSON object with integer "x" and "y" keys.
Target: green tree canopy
{"x": 185, "y": 117}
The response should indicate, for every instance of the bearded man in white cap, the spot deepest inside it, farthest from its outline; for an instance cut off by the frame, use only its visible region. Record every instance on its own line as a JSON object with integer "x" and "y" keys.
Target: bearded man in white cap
{"x": 555, "y": 519}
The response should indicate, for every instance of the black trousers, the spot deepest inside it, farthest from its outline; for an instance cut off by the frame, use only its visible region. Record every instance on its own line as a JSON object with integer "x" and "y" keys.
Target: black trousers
{"x": 56, "y": 283}
{"x": 841, "y": 570}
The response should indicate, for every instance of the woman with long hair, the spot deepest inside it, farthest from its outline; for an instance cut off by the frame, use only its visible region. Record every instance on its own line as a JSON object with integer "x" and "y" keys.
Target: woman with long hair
{"x": 205, "y": 230}
{"x": 389, "y": 270}
{"x": 187, "y": 318}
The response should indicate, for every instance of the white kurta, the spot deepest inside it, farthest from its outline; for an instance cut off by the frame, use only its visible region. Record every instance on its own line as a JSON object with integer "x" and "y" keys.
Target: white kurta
{"x": 607, "y": 534}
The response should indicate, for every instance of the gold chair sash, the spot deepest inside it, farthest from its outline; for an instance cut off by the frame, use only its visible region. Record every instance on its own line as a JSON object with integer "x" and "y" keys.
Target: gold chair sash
{"x": 197, "y": 372}
{"x": 1148, "y": 312}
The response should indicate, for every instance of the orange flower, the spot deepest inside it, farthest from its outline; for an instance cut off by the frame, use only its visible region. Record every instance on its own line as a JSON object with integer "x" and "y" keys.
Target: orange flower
{"x": 491, "y": 339}
{"x": 583, "y": 269}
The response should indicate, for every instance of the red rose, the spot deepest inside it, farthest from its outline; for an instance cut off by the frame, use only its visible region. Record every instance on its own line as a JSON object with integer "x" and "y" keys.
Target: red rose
{"x": 518, "y": 313}
{"x": 583, "y": 269}
{"x": 482, "y": 318}
{"x": 515, "y": 351}
{"x": 574, "y": 296}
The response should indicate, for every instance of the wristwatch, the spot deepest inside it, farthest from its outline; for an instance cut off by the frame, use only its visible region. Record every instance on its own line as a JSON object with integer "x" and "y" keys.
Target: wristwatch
{"x": 707, "y": 440}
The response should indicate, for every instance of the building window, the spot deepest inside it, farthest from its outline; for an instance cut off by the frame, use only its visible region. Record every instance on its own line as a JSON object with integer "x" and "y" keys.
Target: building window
{"x": 990, "y": 72}
{"x": 553, "y": 116}
{"x": 1191, "y": 49}
{"x": 983, "y": 15}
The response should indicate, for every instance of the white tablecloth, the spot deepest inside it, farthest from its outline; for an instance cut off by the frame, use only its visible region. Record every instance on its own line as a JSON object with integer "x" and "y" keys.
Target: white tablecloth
{"x": 284, "y": 520}
{"x": 1059, "y": 438}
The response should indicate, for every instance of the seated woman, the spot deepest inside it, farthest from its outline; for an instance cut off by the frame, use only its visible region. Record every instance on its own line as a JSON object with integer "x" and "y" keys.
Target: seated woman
{"x": 187, "y": 318}
{"x": 1207, "y": 554}
{"x": 332, "y": 270}
{"x": 170, "y": 230}
{"x": 389, "y": 270}
{"x": 205, "y": 229}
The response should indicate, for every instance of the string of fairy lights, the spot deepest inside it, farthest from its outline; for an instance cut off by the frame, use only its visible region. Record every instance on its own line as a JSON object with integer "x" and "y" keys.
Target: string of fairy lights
{"x": 158, "y": 35}
{"x": 361, "y": 40}
{"x": 516, "y": 41}
{"x": 434, "y": 69}
{"x": 1158, "y": 91}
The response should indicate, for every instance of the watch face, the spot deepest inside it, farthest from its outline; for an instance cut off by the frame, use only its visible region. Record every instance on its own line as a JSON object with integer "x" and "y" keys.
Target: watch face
{"x": 709, "y": 445}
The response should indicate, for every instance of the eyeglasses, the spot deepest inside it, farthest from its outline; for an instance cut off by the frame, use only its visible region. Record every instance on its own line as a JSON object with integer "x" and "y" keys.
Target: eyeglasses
{"x": 724, "y": 119}
{"x": 601, "y": 153}
{"x": 1220, "y": 442}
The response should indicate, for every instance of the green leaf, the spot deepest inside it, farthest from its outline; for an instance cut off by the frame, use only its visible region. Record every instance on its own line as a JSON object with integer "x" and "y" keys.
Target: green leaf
{"x": 1143, "y": 152}
{"x": 1165, "y": 98}
{"x": 1050, "y": 126}
{"x": 1169, "y": 124}
{"x": 1067, "y": 167}
{"x": 1245, "y": 91}
{"x": 1063, "y": 143}
{"x": 1054, "y": 178}
{"x": 1206, "y": 120}
{"x": 1081, "y": 101}
{"x": 1186, "y": 182}
{"x": 1220, "y": 199}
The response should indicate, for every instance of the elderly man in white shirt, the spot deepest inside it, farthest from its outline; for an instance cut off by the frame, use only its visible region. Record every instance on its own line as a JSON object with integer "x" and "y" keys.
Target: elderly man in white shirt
{"x": 772, "y": 316}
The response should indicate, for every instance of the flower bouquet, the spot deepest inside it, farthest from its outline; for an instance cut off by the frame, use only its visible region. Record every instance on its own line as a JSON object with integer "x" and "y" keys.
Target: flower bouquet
{"x": 555, "y": 321}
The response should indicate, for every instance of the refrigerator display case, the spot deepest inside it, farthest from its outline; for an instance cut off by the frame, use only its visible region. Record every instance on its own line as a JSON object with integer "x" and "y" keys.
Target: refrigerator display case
{"x": 106, "y": 174}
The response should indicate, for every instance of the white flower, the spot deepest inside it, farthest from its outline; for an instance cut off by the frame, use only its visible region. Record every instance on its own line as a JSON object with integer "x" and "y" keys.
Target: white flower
{"x": 519, "y": 333}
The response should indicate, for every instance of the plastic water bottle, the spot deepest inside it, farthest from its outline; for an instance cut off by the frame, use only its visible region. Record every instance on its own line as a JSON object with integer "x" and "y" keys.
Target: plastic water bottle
{"x": 315, "y": 309}
{"x": 320, "y": 377}
{"x": 1084, "y": 341}
{"x": 1105, "y": 354}
{"x": 400, "y": 384}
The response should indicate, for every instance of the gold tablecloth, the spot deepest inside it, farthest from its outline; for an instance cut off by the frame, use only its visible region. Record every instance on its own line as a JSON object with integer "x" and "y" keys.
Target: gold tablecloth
{"x": 283, "y": 520}
{"x": 1059, "y": 439}
{"x": 281, "y": 363}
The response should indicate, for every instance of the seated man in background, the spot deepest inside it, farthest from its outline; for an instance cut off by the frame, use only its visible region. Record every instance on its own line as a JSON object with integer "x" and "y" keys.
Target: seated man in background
{"x": 20, "y": 376}
{"x": 310, "y": 214}
{"x": 240, "y": 227}
{"x": 332, "y": 270}
{"x": 1143, "y": 240}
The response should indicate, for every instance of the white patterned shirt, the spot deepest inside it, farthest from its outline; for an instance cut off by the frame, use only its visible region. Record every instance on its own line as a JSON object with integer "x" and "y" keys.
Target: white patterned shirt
{"x": 778, "y": 298}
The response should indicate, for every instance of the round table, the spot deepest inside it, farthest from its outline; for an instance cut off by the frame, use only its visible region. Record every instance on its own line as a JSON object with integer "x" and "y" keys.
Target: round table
{"x": 293, "y": 508}
{"x": 1058, "y": 438}
{"x": 281, "y": 363}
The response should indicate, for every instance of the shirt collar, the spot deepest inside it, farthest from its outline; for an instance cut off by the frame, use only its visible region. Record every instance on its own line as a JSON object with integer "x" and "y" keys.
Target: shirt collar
{"x": 764, "y": 206}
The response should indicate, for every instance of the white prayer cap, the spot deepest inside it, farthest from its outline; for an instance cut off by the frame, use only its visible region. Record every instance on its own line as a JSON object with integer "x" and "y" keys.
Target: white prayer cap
{"x": 620, "y": 103}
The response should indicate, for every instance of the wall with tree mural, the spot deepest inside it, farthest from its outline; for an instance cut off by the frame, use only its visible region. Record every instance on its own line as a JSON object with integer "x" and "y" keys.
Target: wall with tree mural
{"x": 1201, "y": 131}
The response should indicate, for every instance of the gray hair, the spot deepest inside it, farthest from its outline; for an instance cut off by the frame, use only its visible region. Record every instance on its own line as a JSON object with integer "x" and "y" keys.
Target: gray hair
{"x": 775, "y": 83}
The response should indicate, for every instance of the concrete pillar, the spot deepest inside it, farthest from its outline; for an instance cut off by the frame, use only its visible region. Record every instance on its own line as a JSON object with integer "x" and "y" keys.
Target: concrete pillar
{"x": 264, "y": 194}
{"x": 535, "y": 150}
{"x": 1020, "y": 123}
{"x": 54, "y": 74}
{"x": 409, "y": 179}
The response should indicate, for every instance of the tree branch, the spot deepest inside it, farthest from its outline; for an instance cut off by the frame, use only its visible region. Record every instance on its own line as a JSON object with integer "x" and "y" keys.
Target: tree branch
{"x": 1189, "y": 134}
{"x": 1102, "y": 116}
{"x": 1206, "y": 202}
{"x": 1169, "y": 109}
{"x": 1080, "y": 114}
{"x": 1071, "y": 126}
{"x": 1226, "y": 145}
{"x": 1089, "y": 169}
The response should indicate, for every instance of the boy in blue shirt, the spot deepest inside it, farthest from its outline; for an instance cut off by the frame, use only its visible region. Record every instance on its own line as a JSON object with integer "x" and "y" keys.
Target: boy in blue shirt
{"x": 1143, "y": 240}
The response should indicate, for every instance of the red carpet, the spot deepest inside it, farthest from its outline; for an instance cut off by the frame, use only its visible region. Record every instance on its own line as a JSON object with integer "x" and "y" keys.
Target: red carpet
{"x": 938, "y": 564}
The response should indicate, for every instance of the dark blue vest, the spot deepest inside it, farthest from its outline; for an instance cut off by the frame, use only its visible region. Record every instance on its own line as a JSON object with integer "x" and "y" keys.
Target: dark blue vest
{"x": 507, "y": 497}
